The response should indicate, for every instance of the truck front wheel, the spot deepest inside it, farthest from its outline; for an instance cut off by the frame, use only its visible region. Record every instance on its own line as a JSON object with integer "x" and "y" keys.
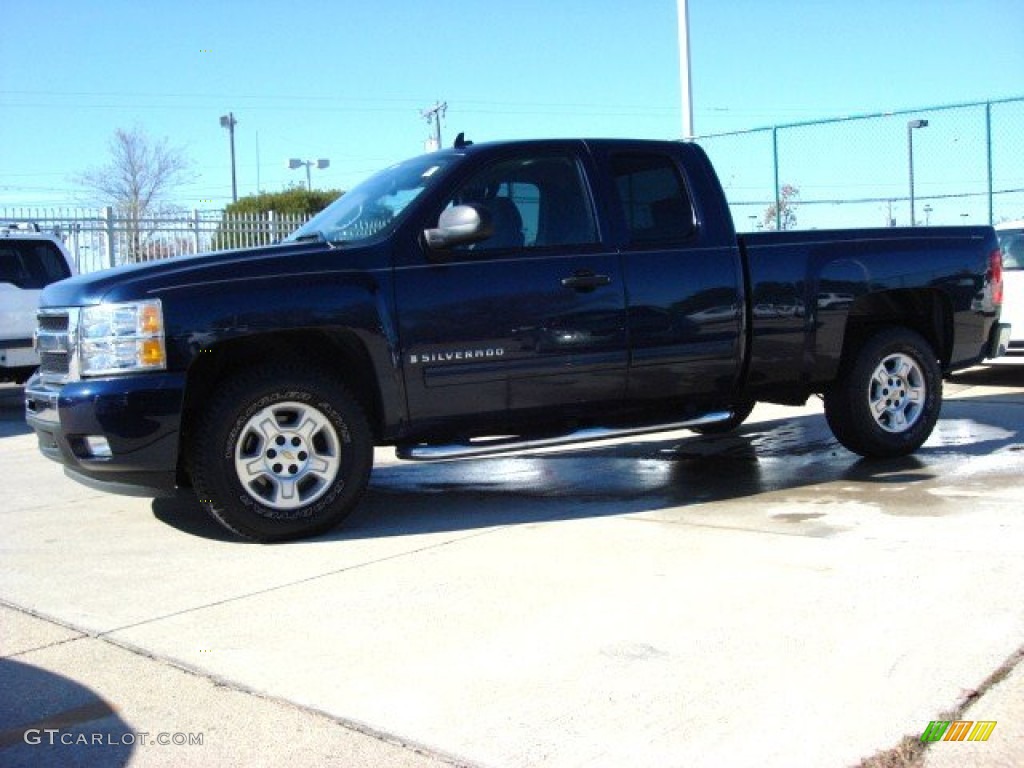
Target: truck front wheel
{"x": 887, "y": 399}
{"x": 281, "y": 454}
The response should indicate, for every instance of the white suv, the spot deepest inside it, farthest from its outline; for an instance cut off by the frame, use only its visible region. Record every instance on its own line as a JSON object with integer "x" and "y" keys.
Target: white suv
{"x": 29, "y": 261}
{"x": 1011, "y": 241}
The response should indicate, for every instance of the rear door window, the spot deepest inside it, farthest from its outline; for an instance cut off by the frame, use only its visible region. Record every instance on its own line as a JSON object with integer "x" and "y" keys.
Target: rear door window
{"x": 655, "y": 204}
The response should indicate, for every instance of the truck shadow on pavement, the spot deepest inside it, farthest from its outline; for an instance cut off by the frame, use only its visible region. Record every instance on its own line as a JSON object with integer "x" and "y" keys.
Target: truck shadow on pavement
{"x": 1007, "y": 372}
{"x": 49, "y": 719}
{"x": 681, "y": 471}
{"x": 12, "y": 411}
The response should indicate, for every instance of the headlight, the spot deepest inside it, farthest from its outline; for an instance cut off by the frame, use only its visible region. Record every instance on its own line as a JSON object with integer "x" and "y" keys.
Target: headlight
{"x": 119, "y": 338}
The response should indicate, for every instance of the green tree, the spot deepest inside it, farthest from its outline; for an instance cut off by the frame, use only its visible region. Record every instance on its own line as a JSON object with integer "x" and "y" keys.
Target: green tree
{"x": 294, "y": 200}
{"x": 267, "y": 217}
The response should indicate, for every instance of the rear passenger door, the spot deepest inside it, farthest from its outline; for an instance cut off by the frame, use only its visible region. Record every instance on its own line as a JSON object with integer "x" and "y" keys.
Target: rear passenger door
{"x": 685, "y": 299}
{"x": 531, "y": 320}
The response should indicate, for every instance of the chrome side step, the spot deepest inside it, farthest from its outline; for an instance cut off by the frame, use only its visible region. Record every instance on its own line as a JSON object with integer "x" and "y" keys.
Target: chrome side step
{"x": 490, "y": 446}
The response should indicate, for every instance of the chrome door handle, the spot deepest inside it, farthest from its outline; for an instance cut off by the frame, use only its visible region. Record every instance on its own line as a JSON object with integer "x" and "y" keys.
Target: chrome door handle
{"x": 585, "y": 281}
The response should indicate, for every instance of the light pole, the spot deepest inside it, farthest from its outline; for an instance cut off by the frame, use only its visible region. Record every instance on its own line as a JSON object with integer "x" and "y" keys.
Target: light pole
{"x": 321, "y": 164}
{"x": 911, "y": 125}
{"x": 684, "y": 68}
{"x": 228, "y": 121}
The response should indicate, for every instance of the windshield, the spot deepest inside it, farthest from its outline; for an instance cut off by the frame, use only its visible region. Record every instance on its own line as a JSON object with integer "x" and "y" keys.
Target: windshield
{"x": 375, "y": 204}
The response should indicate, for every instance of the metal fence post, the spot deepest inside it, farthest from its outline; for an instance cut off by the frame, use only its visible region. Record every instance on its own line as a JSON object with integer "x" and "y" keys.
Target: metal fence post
{"x": 988, "y": 154}
{"x": 108, "y": 233}
{"x": 195, "y": 229}
{"x": 778, "y": 192}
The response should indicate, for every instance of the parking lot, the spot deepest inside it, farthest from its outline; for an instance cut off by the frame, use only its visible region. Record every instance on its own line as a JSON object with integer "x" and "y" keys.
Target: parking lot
{"x": 759, "y": 599}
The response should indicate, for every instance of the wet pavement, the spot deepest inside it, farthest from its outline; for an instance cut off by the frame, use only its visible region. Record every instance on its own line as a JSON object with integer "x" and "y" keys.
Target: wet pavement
{"x": 763, "y": 598}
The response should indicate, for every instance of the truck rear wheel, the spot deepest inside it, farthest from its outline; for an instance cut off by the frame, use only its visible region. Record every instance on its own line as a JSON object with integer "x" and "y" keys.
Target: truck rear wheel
{"x": 886, "y": 401}
{"x": 281, "y": 454}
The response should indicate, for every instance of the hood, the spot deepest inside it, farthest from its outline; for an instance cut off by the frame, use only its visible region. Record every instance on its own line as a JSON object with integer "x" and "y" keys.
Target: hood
{"x": 138, "y": 281}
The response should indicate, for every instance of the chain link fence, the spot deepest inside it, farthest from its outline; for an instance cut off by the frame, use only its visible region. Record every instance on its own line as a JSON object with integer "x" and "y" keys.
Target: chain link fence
{"x": 104, "y": 238}
{"x": 955, "y": 164}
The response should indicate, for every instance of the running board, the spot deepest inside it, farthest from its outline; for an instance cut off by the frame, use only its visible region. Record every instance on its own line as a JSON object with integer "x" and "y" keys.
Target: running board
{"x": 496, "y": 445}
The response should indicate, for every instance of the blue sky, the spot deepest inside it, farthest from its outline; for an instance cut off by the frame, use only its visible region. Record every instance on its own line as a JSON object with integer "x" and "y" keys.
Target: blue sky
{"x": 346, "y": 81}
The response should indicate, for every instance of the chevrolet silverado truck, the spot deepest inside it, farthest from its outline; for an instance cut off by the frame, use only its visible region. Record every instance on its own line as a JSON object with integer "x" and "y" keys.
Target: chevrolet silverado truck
{"x": 489, "y": 298}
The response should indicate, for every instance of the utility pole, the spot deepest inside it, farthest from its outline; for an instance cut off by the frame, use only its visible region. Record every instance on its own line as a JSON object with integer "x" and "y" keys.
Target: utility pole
{"x": 433, "y": 115}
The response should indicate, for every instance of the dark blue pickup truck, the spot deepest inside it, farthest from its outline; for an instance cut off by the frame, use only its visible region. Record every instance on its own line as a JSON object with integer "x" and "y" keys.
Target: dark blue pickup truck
{"x": 488, "y": 298}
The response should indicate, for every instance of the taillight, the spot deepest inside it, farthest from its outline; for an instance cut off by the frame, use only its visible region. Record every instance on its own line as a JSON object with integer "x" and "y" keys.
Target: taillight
{"x": 995, "y": 271}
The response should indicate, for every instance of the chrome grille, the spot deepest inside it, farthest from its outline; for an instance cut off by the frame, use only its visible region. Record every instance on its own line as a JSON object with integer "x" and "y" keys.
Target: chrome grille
{"x": 53, "y": 322}
{"x": 56, "y": 339}
{"x": 55, "y": 363}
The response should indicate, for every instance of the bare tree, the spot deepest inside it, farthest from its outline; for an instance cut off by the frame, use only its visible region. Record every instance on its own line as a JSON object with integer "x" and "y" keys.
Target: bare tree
{"x": 782, "y": 215}
{"x": 138, "y": 181}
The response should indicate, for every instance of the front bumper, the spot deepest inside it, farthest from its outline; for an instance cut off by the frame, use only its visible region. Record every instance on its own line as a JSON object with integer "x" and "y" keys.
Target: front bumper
{"x": 120, "y": 434}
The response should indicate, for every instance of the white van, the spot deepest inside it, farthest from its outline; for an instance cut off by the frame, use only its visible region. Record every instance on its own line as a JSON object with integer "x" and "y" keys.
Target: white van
{"x": 1011, "y": 241}
{"x": 29, "y": 261}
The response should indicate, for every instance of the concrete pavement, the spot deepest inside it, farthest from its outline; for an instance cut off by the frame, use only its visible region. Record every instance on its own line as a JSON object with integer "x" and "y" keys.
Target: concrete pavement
{"x": 760, "y": 599}
{"x": 72, "y": 699}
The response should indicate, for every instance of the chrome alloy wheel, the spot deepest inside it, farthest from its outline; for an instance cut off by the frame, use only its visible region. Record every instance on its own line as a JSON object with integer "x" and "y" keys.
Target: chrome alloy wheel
{"x": 897, "y": 393}
{"x": 287, "y": 455}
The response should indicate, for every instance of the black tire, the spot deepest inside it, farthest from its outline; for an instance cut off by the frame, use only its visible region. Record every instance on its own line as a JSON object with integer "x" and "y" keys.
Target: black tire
{"x": 740, "y": 413}
{"x": 281, "y": 453}
{"x": 887, "y": 398}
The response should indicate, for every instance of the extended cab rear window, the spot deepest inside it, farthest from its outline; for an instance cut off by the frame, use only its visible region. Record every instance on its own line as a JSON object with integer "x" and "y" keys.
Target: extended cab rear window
{"x": 31, "y": 265}
{"x": 654, "y": 200}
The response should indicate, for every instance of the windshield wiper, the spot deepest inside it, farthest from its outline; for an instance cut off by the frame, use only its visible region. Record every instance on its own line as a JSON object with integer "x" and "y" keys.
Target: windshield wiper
{"x": 312, "y": 237}
{"x": 315, "y": 237}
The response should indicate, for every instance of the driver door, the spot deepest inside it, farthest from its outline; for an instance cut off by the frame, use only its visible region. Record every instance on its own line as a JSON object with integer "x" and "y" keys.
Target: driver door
{"x": 531, "y": 320}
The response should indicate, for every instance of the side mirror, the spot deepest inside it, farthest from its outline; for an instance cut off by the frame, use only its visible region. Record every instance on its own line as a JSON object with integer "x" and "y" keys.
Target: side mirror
{"x": 459, "y": 225}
